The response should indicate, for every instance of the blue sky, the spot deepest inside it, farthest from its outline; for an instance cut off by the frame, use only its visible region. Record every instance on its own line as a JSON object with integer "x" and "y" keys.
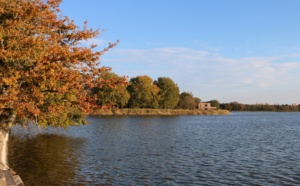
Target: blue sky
{"x": 230, "y": 50}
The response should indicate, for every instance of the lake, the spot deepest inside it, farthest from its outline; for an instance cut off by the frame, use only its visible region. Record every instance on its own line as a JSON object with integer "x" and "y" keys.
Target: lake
{"x": 244, "y": 148}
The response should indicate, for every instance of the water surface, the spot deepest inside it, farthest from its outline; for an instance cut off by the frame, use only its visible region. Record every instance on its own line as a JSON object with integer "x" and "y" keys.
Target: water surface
{"x": 244, "y": 148}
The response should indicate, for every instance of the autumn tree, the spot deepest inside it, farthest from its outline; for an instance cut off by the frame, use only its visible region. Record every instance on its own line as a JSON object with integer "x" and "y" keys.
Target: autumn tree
{"x": 45, "y": 73}
{"x": 112, "y": 90}
{"x": 143, "y": 93}
{"x": 168, "y": 93}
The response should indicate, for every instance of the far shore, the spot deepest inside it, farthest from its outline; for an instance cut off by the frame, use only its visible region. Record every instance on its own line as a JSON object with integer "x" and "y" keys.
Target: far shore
{"x": 160, "y": 112}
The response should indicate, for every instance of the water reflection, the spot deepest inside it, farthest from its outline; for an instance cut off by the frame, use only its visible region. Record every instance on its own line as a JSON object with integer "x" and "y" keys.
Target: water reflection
{"x": 46, "y": 159}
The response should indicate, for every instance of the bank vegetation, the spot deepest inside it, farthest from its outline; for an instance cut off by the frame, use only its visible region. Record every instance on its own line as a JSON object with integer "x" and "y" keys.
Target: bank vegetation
{"x": 160, "y": 112}
{"x": 235, "y": 106}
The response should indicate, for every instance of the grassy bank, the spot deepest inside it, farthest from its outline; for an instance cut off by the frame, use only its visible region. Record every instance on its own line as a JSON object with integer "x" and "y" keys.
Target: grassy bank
{"x": 163, "y": 112}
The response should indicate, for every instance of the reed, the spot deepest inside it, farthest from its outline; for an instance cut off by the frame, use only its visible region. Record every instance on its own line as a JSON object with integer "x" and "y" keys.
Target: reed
{"x": 161, "y": 112}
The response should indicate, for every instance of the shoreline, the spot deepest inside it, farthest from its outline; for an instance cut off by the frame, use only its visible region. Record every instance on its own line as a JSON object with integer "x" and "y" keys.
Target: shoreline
{"x": 159, "y": 112}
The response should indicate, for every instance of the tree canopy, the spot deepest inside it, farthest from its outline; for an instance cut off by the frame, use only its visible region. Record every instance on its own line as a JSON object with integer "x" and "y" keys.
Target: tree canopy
{"x": 187, "y": 101}
{"x": 215, "y": 103}
{"x": 112, "y": 91}
{"x": 235, "y": 106}
{"x": 45, "y": 73}
{"x": 143, "y": 93}
{"x": 168, "y": 93}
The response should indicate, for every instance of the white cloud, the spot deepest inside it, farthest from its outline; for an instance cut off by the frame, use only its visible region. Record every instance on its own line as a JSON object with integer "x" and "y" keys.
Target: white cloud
{"x": 208, "y": 74}
{"x": 95, "y": 41}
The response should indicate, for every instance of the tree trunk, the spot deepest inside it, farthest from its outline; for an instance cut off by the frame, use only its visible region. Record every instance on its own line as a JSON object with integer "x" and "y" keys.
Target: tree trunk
{"x": 7, "y": 175}
{"x": 8, "y": 118}
{"x": 3, "y": 149}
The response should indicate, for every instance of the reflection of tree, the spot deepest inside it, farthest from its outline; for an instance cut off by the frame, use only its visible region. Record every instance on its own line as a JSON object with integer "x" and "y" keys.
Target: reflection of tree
{"x": 46, "y": 159}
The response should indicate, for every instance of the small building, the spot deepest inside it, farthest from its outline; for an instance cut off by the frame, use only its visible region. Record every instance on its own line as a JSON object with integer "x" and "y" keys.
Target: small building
{"x": 205, "y": 106}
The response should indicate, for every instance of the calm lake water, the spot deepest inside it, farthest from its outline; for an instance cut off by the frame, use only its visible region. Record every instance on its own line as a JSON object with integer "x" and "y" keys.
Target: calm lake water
{"x": 244, "y": 148}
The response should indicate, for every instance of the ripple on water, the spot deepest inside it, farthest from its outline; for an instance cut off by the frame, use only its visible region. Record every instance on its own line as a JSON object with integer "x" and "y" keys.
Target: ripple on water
{"x": 240, "y": 149}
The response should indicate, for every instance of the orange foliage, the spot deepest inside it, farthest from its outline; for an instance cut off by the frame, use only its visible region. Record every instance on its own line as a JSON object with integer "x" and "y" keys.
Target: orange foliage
{"x": 45, "y": 74}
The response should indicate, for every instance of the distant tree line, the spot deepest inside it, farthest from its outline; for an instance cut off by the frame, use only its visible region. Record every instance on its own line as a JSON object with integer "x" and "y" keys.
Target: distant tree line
{"x": 143, "y": 92}
{"x": 235, "y": 106}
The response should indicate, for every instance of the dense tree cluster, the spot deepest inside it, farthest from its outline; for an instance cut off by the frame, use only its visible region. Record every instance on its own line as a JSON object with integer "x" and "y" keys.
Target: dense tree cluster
{"x": 113, "y": 90}
{"x": 168, "y": 93}
{"x": 188, "y": 101}
{"x": 235, "y": 106}
{"x": 143, "y": 92}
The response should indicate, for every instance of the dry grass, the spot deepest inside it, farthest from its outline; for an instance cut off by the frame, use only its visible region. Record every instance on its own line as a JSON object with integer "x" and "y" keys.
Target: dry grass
{"x": 161, "y": 112}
